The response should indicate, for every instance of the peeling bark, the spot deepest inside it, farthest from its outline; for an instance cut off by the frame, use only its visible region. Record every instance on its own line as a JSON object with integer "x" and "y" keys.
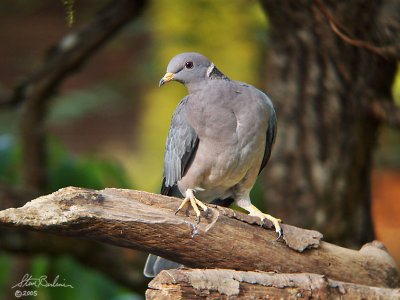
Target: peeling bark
{"x": 226, "y": 239}
{"x": 230, "y": 284}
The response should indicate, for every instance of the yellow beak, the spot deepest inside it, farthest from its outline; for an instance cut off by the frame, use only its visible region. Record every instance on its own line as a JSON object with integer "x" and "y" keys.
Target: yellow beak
{"x": 167, "y": 77}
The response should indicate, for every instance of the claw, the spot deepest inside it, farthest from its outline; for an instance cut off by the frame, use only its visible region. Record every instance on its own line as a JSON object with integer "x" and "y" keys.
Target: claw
{"x": 190, "y": 198}
{"x": 280, "y": 234}
{"x": 255, "y": 212}
{"x": 184, "y": 203}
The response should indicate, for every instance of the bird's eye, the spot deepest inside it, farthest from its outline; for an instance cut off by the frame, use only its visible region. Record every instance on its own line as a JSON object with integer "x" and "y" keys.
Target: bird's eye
{"x": 189, "y": 65}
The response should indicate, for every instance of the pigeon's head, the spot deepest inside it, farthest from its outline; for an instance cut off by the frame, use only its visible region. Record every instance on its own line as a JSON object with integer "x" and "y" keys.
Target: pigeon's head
{"x": 188, "y": 68}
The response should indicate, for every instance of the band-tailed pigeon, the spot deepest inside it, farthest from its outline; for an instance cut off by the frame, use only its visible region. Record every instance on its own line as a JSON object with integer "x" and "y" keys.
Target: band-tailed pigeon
{"x": 220, "y": 139}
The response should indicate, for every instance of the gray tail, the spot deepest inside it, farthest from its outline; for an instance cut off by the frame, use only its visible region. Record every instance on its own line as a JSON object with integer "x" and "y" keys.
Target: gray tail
{"x": 155, "y": 264}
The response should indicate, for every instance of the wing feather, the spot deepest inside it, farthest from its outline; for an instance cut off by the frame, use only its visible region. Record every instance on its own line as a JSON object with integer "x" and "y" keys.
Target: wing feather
{"x": 180, "y": 147}
{"x": 270, "y": 137}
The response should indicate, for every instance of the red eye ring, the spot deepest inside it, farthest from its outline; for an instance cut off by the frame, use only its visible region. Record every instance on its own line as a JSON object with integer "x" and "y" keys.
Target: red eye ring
{"x": 189, "y": 65}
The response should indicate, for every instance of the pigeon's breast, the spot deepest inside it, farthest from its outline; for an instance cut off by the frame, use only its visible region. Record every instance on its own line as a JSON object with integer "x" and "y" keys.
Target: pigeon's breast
{"x": 231, "y": 130}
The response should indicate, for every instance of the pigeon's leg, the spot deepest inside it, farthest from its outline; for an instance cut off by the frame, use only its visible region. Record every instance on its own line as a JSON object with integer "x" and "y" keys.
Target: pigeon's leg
{"x": 255, "y": 212}
{"x": 190, "y": 198}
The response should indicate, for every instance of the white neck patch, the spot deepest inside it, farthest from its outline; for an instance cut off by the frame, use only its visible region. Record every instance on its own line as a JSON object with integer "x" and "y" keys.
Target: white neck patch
{"x": 209, "y": 70}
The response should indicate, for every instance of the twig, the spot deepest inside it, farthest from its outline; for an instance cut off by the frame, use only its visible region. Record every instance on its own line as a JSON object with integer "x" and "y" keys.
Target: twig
{"x": 386, "y": 111}
{"x": 384, "y": 51}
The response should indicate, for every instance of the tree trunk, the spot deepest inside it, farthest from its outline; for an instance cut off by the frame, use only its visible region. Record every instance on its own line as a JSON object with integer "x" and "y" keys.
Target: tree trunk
{"x": 323, "y": 75}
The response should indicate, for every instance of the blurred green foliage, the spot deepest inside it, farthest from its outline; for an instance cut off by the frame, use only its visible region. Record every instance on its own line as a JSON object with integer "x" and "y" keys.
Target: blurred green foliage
{"x": 65, "y": 169}
{"x": 5, "y": 270}
{"x": 86, "y": 171}
{"x": 86, "y": 283}
{"x": 9, "y": 160}
{"x": 78, "y": 103}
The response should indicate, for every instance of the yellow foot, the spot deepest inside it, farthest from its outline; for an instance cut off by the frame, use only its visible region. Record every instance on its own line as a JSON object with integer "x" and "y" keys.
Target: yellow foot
{"x": 255, "y": 212}
{"x": 190, "y": 198}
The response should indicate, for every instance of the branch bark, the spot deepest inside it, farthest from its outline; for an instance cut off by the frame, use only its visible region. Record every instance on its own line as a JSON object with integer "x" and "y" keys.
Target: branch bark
{"x": 226, "y": 239}
{"x": 230, "y": 284}
{"x": 386, "y": 111}
{"x": 121, "y": 265}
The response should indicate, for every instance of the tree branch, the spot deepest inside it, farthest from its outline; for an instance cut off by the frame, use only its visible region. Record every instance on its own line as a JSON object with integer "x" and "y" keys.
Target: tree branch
{"x": 226, "y": 239}
{"x": 389, "y": 51}
{"x": 65, "y": 58}
{"x": 230, "y": 284}
{"x": 386, "y": 111}
{"x": 121, "y": 265}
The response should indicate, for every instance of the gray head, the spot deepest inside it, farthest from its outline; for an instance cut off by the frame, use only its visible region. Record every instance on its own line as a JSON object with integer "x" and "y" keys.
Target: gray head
{"x": 188, "y": 68}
